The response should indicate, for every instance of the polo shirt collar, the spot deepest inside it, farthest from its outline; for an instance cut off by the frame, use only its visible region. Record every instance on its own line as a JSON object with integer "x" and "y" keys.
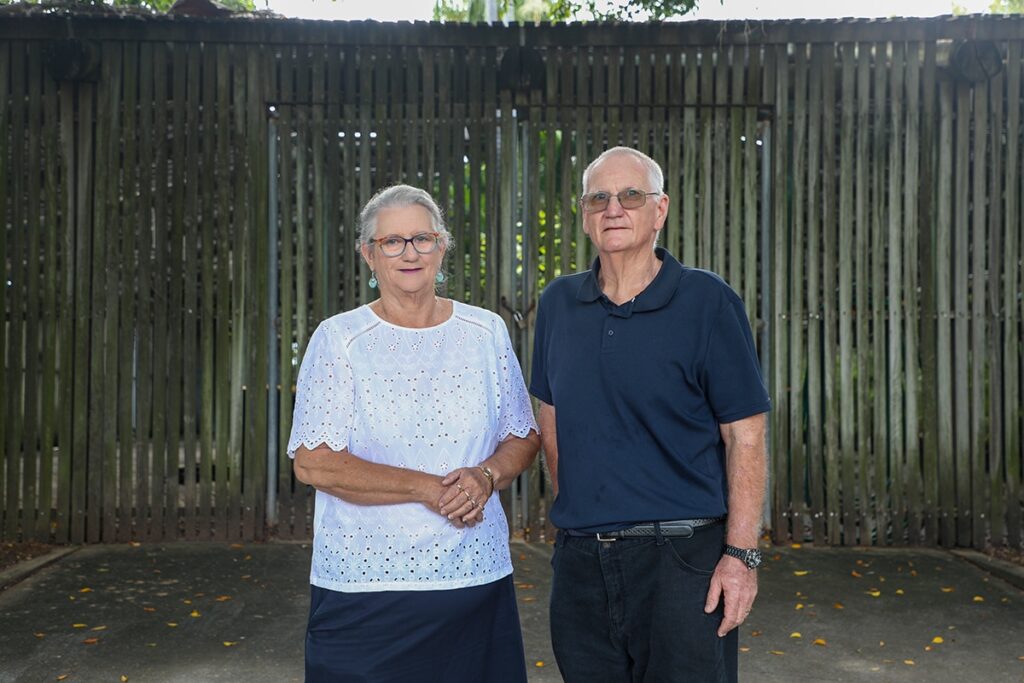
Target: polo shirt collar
{"x": 656, "y": 295}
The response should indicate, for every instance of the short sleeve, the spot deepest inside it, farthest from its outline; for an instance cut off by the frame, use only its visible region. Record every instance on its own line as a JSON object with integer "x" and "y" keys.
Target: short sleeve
{"x": 324, "y": 396}
{"x": 732, "y": 372}
{"x": 539, "y": 386}
{"x": 515, "y": 412}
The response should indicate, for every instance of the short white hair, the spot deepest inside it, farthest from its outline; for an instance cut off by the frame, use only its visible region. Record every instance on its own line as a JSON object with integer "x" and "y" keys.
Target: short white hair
{"x": 397, "y": 197}
{"x": 655, "y": 176}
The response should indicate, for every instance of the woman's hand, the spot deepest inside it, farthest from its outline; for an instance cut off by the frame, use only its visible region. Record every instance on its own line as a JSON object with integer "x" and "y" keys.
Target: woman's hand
{"x": 467, "y": 490}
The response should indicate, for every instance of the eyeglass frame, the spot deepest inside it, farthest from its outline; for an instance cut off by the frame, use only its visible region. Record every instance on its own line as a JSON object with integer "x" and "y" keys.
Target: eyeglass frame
{"x": 618, "y": 196}
{"x": 407, "y": 241}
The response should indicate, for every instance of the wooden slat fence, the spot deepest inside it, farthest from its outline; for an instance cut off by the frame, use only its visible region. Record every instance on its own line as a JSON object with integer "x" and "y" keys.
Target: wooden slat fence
{"x": 859, "y": 195}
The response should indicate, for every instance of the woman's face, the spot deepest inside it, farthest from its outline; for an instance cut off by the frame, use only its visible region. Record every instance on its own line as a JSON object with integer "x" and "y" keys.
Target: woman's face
{"x": 409, "y": 271}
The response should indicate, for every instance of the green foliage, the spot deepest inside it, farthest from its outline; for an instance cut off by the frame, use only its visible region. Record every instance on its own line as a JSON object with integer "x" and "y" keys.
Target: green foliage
{"x": 476, "y": 10}
{"x": 625, "y": 10}
{"x": 153, "y": 5}
{"x": 1006, "y": 7}
{"x": 561, "y": 10}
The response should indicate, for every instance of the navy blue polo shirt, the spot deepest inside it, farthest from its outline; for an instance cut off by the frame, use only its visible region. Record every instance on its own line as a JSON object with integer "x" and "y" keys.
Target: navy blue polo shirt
{"x": 639, "y": 391}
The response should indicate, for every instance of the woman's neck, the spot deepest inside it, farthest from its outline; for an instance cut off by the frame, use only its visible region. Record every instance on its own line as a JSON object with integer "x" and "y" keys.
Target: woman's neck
{"x": 412, "y": 310}
{"x": 623, "y": 276}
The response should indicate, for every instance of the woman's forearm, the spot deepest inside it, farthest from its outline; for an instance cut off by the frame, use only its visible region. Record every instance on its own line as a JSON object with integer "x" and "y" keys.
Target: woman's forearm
{"x": 511, "y": 457}
{"x": 359, "y": 481}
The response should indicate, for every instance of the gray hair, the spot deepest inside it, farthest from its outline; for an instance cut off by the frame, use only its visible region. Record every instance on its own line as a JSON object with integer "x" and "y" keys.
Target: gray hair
{"x": 396, "y": 197}
{"x": 655, "y": 176}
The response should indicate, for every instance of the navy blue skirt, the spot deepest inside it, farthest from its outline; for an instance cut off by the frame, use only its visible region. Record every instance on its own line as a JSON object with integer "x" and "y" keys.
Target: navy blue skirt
{"x": 465, "y": 635}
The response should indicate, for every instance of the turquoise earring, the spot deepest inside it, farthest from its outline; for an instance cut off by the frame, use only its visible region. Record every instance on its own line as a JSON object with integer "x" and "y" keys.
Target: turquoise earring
{"x": 439, "y": 278}
{"x": 372, "y": 282}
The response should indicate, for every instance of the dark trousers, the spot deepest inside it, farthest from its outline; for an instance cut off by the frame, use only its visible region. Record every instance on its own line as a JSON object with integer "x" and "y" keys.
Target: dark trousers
{"x": 632, "y": 610}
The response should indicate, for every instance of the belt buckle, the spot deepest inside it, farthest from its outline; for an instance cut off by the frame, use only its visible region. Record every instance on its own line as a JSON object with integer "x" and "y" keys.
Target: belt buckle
{"x": 606, "y": 539}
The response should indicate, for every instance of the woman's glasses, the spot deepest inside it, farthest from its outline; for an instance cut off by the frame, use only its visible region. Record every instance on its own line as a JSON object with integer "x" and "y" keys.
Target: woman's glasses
{"x": 393, "y": 245}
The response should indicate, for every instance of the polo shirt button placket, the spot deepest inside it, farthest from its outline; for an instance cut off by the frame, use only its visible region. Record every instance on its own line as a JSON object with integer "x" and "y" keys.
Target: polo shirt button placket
{"x": 609, "y": 338}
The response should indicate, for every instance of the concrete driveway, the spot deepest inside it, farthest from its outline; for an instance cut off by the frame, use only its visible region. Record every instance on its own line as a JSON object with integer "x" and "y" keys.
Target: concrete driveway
{"x": 217, "y": 612}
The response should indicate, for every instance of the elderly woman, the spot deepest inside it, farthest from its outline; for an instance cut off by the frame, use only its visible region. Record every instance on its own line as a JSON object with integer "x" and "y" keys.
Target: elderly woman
{"x": 411, "y": 413}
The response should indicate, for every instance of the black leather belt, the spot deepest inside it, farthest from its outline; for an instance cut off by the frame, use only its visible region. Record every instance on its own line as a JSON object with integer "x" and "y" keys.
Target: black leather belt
{"x": 678, "y": 528}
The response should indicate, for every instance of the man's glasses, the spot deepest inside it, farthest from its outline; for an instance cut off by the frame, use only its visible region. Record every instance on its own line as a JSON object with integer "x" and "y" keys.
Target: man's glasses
{"x": 628, "y": 199}
{"x": 393, "y": 245}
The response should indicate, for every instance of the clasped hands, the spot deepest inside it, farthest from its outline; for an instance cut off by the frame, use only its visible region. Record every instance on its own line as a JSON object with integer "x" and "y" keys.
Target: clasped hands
{"x": 464, "y": 495}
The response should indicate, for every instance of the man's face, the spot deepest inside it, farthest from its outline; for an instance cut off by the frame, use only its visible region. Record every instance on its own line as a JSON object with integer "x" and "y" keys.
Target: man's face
{"x": 616, "y": 229}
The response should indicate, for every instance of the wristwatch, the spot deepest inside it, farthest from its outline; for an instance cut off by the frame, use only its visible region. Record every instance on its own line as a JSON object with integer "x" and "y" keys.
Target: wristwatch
{"x": 749, "y": 556}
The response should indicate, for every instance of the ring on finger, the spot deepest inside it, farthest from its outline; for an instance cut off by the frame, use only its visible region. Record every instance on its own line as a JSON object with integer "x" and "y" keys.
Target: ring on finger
{"x": 466, "y": 493}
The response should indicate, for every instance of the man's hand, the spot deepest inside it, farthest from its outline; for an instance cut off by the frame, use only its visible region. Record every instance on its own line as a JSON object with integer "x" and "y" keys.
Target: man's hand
{"x": 736, "y": 585}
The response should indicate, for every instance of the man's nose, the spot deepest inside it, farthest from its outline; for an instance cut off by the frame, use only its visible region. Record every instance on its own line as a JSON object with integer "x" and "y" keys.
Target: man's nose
{"x": 614, "y": 206}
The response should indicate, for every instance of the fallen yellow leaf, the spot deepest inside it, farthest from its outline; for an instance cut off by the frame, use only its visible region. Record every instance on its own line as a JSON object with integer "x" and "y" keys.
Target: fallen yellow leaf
{"x": 237, "y": 545}
{"x": 247, "y": 557}
{"x": 938, "y": 639}
{"x": 927, "y": 648}
{"x": 820, "y": 641}
{"x": 172, "y": 624}
{"x": 230, "y": 643}
{"x": 195, "y": 613}
{"x": 978, "y": 598}
{"x": 799, "y": 605}
{"x": 755, "y": 634}
{"x": 39, "y": 634}
{"x": 223, "y": 598}
{"x": 855, "y": 574}
{"x": 874, "y": 592}
{"x": 948, "y": 589}
{"x": 124, "y": 679}
{"x": 744, "y": 649}
{"x": 98, "y": 628}
{"x": 795, "y": 634}
{"x": 794, "y": 545}
{"x": 801, "y": 572}
{"x": 908, "y": 662}
{"x": 149, "y": 609}
{"x": 525, "y": 585}
{"x": 62, "y": 677}
{"x": 91, "y": 641}
{"x": 85, "y": 590}
{"x": 135, "y": 544}
{"x": 838, "y": 605}
{"x": 529, "y": 599}
{"x": 539, "y": 664}
{"x": 78, "y": 625}
{"x": 187, "y": 601}
{"x": 776, "y": 652}
{"x": 899, "y": 591}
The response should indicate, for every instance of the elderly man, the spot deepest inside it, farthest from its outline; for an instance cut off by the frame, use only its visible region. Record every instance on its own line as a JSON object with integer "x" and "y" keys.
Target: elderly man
{"x": 652, "y": 418}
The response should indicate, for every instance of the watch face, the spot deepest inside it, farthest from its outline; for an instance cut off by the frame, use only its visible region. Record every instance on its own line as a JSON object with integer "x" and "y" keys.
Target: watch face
{"x": 754, "y": 558}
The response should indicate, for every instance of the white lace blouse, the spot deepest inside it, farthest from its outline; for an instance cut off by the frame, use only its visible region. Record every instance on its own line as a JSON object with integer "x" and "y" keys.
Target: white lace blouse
{"x": 431, "y": 399}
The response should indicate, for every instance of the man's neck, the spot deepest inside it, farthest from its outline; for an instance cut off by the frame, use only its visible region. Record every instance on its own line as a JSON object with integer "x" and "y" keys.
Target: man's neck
{"x": 623, "y": 276}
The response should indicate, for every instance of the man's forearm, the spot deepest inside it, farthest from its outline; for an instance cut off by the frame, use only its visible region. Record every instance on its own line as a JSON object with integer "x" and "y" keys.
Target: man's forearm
{"x": 747, "y": 472}
{"x": 549, "y": 440}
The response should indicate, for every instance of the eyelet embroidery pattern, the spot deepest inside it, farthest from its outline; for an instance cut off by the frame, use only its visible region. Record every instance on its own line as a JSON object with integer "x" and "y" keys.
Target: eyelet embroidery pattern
{"x": 431, "y": 399}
